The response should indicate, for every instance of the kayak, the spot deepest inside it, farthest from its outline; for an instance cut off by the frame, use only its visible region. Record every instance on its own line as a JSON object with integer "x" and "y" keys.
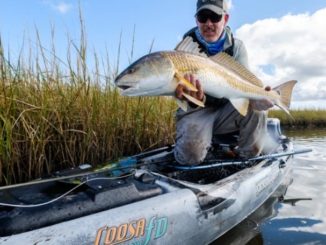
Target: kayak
{"x": 146, "y": 199}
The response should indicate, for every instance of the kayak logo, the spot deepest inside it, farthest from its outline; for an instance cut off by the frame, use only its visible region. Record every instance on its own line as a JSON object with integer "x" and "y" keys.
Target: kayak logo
{"x": 140, "y": 229}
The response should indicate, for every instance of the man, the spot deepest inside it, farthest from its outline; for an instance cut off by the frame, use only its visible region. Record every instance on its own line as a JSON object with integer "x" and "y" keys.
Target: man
{"x": 198, "y": 128}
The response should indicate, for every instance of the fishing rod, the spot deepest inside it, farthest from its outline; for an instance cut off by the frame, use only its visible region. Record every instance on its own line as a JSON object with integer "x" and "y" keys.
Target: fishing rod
{"x": 124, "y": 163}
{"x": 241, "y": 162}
{"x": 281, "y": 154}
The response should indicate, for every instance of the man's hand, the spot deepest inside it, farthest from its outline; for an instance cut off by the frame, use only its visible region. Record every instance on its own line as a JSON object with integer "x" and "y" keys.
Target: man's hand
{"x": 199, "y": 95}
{"x": 262, "y": 105}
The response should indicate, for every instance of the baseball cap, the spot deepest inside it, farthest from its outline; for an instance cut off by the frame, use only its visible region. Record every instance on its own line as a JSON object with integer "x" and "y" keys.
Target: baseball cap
{"x": 217, "y": 6}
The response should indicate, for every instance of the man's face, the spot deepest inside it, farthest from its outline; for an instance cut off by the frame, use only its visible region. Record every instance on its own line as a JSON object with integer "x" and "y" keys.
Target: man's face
{"x": 211, "y": 25}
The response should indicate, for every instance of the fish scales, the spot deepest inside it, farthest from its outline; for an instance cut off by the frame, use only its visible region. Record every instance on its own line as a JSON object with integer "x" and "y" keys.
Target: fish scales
{"x": 193, "y": 64}
{"x": 184, "y": 63}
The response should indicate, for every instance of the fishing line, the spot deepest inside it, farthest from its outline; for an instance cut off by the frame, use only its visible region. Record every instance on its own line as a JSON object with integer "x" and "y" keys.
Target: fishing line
{"x": 66, "y": 193}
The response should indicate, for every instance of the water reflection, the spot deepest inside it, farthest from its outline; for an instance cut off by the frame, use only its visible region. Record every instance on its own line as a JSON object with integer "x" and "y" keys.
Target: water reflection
{"x": 299, "y": 218}
{"x": 249, "y": 230}
{"x": 290, "y": 231}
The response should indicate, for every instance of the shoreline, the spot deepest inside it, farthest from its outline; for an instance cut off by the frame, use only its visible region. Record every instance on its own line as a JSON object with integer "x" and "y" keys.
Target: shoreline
{"x": 302, "y": 118}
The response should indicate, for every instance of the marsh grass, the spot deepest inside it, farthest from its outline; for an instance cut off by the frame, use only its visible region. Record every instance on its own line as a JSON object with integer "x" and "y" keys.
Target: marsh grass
{"x": 303, "y": 118}
{"x": 55, "y": 114}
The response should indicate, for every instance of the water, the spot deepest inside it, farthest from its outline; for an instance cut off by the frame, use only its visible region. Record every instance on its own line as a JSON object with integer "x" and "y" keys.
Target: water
{"x": 301, "y": 217}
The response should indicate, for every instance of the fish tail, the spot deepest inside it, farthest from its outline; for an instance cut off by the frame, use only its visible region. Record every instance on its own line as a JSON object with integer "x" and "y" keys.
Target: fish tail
{"x": 285, "y": 92}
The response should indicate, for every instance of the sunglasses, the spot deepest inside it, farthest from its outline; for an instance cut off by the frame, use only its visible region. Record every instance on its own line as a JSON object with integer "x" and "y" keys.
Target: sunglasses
{"x": 203, "y": 17}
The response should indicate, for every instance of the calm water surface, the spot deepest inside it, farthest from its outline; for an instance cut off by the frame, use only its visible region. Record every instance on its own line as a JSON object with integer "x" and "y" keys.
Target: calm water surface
{"x": 301, "y": 217}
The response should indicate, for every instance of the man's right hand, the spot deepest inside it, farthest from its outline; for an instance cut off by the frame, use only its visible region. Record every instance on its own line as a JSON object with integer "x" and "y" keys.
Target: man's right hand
{"x": 199, "y": 95}
{"x": 262, "y": 105}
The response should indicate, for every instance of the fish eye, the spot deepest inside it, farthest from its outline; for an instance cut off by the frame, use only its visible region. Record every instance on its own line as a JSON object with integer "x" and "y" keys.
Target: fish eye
{"x": 131, "y": 70}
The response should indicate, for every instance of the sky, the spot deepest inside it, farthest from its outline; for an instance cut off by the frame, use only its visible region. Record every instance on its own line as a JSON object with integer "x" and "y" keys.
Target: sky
{"x": 285, "y": 39}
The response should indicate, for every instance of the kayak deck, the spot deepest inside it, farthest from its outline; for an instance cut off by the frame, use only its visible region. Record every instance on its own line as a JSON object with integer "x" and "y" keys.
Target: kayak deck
{"x": 101, "y": 193}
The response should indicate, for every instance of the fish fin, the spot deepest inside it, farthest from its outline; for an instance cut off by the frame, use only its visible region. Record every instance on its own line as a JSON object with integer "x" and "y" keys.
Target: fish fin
{"x": 189, "y": 46}
{"x": 185, "y": 82}
{"x": 193, "y": 100}
{"x": 285, "y": 92}
{"x": 227, "y": 61}
{"x": 182, "y": 104}
{"x": 241, "y": 105}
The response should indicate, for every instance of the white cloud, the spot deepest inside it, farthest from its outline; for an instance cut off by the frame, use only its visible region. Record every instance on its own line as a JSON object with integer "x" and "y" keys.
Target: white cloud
{"x": 230, "y": 4}
{"x": 62, "y": 7}
{"x": 291, "y": 47}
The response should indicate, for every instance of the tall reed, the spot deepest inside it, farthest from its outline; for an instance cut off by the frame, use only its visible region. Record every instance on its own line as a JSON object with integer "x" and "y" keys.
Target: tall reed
{"x": 52, "y": 117}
